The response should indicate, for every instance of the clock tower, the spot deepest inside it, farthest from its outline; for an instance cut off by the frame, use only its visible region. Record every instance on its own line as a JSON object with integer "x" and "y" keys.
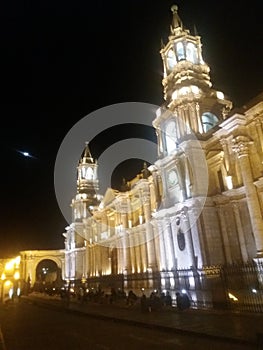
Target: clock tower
{"x": 191, "y": 104}
{"x": 191, "y": 112}
{"x": 87, "y": 186}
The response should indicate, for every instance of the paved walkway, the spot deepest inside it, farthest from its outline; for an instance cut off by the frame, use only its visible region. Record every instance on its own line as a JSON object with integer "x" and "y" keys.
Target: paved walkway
{"x": 242, "y": 328}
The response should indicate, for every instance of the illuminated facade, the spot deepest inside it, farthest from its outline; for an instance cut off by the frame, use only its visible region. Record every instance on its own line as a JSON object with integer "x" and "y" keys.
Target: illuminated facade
{"x": 199, "y": 205}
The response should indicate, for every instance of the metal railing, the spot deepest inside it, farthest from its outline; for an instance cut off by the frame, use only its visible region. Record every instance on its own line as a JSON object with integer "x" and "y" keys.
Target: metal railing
{"x": 237, "y": 287}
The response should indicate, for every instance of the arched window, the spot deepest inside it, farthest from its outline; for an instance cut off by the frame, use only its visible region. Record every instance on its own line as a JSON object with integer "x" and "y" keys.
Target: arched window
{"x": 180, "y": 51}
{"x": 171, "y": 59}
{"x": 191, "y": 53}
{"x": 209, "y": 120}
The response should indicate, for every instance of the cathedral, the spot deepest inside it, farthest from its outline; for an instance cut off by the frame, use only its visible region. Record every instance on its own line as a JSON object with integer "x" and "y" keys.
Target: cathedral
{"x": 199, "y": 205}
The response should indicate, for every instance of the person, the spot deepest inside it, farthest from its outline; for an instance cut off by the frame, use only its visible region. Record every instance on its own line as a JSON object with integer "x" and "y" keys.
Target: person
{"x": 185, "y": 301}
{"x": 179, "y": 301}
{"x": 168, "y": 299}
{"x": 81, "y": 295}
{"x": 182, "y": 301}
{"x": 113, "y": 296}
{"x": 131, "y": 299}
{"x": 144, "y": 304}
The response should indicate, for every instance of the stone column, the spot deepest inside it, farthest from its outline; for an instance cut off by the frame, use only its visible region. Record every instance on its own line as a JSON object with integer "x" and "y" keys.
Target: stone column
{"x": 240, "y": 232}
{"x": 222, "y": 221}
{"x": 188, "y": 234}
{"x": 168, "y": 243}
{"x": 132, "y": 250}
{"x": 241, "y": 147}
{"x": 258, "y": 125}
{"x": 150, "y": 246}
{"x": 159, "y": 136}
{"x": 227, "y": 160}
{"x": 162, "y": 259}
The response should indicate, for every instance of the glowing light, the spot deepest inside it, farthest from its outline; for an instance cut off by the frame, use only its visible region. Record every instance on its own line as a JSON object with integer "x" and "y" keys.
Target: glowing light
{"x": 3, "y": 276}
{"x": 25, "y": 154}
{"x": 7, "y": 283}
{"x": 17, "y": 260}
{"x": 254, "y": 290}
{"x": 17, "y": 275}
{"x": 11, "y": 292}
{"x": 231, "y": 296}
{"x": 229, "y": 182}
{"x": 191, "y": 281}
{"x": 183, "y": 291}
{"x": 220, "y": 95}
{"x": 9, "y": 265}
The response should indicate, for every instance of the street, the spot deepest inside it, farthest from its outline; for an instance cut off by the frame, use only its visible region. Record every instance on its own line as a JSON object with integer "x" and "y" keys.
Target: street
{"x": 27, "y": 326}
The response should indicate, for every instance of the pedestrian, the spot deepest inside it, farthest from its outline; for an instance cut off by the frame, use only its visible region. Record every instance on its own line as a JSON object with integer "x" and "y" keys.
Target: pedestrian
{"x": 144, "y": 304}
{"x": 168, "y": 299}
{"x": 81, "y": 295}
{"x": 179, "y": 301}
{"x": 185, "y": 301}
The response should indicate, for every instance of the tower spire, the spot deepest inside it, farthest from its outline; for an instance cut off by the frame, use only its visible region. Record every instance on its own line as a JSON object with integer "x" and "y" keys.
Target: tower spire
{"x": 87, "y": 157}
{"x": 176, "y": 21}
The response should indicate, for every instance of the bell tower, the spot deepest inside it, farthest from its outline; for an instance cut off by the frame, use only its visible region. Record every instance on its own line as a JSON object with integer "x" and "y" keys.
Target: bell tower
{"x": 87, "y": 173}
{"x": 87, "y": 186}
{"x": 191, "y": 105}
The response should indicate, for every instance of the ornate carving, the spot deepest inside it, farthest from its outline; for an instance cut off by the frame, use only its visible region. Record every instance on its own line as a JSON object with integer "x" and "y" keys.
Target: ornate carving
{"x": 241, "y": 145}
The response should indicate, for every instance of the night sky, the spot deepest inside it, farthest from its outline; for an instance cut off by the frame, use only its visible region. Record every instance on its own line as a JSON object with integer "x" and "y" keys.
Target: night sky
{"x": 61, "y": 60}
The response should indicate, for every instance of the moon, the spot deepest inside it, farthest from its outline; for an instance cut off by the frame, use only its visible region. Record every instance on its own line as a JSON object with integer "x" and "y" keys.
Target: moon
{"x": 26, "y": 154}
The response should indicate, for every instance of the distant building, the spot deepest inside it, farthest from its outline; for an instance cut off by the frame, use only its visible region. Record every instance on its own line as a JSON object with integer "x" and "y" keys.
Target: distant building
{"x": 199, "y": 205}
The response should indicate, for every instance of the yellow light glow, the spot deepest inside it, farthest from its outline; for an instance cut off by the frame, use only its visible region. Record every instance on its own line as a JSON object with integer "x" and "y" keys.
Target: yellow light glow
{"x": 17, "y": 260}
{"x": 9, "y": 265}
{"x": 17, "y": 275}
{"x": 7, "y": 283}
{"x": 231, "y": 296}
{"x": 3, "y": 276}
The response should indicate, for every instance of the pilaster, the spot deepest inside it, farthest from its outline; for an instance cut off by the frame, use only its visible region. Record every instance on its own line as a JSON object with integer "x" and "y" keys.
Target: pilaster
{"x": 241, "y": 147}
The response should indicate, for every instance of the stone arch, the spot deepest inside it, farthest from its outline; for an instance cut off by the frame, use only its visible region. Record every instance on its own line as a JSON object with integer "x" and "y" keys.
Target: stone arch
{"x": 48, "y": 275}
{"x": 56, "y": 260}
{"x": 31, "y": 258}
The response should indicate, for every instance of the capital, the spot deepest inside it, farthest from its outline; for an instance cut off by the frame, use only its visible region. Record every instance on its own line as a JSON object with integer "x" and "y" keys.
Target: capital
{"x": 241, "y": 145}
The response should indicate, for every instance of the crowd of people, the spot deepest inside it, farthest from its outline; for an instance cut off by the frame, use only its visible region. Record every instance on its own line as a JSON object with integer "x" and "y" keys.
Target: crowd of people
{"x": 154, "y": 302}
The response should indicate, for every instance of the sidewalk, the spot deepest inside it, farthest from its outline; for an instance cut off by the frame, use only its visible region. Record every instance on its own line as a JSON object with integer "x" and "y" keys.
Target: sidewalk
{"x": 239, "y": 328}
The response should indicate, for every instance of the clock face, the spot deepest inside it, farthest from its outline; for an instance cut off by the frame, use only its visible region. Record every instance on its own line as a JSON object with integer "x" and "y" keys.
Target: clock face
{"x": 172, "y": 178}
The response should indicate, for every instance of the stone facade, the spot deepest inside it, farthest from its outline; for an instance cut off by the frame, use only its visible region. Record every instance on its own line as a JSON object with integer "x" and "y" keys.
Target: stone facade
{"x": 199, "y": 204}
